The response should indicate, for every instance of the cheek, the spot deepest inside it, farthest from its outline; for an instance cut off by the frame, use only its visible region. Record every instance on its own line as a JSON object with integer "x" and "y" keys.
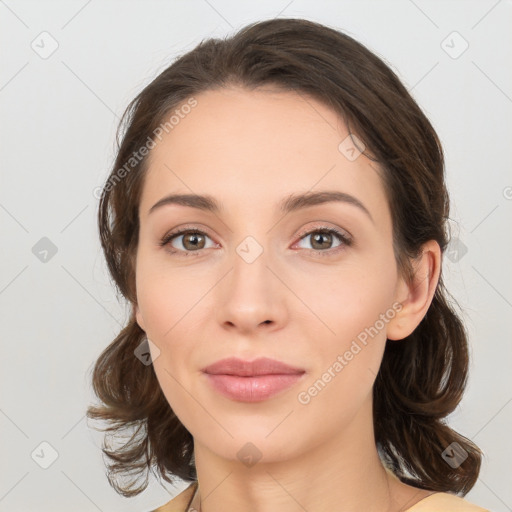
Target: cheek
{"x": 165, "y": 296}
{"x": 174, "y": 305}
{"x": 351, "y": 299}
{"x": 356, "y": 309}
{"x": 356, "y": 305}
{"x": 166, "y": 307}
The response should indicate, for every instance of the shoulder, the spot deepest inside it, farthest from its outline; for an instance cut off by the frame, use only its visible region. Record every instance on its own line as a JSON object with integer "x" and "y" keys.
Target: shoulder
{"x": 180, "y": 502}
{"x": 445, "y": 502}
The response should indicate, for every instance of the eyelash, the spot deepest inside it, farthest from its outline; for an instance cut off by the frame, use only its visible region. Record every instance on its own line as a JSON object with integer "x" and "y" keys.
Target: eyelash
{"x": 345, "y": 239}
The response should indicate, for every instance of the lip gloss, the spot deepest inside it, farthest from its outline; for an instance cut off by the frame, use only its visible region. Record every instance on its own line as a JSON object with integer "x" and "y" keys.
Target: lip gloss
{"x": 254, "y": 388}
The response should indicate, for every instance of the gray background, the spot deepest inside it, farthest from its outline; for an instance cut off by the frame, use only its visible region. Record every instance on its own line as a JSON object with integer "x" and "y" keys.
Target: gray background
{"x": 59, "y": 114}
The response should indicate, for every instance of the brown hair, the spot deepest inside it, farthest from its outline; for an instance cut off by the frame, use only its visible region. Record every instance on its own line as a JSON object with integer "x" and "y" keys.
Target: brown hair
{"x": 422, "y": 377}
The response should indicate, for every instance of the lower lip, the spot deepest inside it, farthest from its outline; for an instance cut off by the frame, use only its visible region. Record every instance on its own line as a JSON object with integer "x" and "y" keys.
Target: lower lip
{"x": 252, "y": 389}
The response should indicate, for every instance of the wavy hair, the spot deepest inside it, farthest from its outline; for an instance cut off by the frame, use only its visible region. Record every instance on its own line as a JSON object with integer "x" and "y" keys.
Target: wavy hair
{"x": 422, "y": 377}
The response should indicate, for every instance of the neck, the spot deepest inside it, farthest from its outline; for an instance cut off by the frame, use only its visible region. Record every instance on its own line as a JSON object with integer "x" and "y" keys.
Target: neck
{"x": 344, "y": 472}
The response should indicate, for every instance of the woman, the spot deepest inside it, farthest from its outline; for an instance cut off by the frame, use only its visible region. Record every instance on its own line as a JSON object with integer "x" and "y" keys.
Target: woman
{"x": 276, "y": 218}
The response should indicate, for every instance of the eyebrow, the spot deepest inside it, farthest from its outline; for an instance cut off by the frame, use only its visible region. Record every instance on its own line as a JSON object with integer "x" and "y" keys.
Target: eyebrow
{"x": 289, "y": 204}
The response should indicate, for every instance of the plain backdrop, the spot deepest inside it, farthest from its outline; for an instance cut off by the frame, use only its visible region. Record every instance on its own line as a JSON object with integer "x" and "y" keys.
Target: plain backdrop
{"x": 68, "y": 70}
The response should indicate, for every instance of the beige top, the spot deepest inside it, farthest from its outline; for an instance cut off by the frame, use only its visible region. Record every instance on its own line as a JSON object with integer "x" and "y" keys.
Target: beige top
{"x": 187, "y": 501}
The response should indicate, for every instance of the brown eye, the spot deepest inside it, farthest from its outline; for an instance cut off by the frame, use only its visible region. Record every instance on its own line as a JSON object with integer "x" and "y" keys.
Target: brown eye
{"x": 191, "y": 241}
{"x": 323, "y": 238}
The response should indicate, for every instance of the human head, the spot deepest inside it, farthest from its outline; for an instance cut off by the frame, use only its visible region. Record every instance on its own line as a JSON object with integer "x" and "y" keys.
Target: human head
{"x": 409, "y": 399}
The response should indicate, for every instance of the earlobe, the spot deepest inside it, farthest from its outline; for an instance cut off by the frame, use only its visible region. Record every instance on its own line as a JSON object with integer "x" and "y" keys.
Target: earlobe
{"x": 416, "y": 296}
{"x": 138, "y": 316}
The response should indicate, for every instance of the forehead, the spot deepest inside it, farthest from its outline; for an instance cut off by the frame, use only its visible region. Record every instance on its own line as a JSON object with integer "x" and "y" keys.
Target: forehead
{"x": 251, "y": 148}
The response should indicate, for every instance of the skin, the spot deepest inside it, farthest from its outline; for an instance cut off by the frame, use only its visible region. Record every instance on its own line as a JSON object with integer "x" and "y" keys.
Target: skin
{"x": 250, "y": 149}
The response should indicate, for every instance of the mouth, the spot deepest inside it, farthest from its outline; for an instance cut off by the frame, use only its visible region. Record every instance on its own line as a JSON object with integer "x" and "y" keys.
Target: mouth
{"x": 251, "y": 381}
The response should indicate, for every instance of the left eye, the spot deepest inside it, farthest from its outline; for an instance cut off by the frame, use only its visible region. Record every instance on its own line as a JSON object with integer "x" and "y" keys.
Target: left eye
{"x": 324, "y": 236}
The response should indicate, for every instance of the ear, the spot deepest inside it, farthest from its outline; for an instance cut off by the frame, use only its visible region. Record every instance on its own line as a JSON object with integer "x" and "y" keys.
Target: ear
{"x": 138, "y": 316}
{"x": 416, "y": 296}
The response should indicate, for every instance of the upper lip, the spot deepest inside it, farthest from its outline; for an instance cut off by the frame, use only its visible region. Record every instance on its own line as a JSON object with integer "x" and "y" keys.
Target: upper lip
{"x": 260, "y": 366}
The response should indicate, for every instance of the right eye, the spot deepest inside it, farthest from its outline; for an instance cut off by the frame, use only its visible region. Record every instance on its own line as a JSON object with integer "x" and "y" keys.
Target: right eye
{"x": 193, "y": 241}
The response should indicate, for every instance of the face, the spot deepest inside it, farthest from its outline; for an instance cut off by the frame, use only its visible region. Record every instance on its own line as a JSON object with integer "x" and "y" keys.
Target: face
{"x": 253, "y": 280}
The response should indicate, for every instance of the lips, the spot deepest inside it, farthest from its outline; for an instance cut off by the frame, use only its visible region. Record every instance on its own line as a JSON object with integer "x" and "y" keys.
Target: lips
{"x": 252, "y": 381}
{"x": 258, "y": 367}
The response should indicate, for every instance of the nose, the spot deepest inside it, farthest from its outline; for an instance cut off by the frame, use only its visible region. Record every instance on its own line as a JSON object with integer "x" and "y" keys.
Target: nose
{"x": 251, "y": 296}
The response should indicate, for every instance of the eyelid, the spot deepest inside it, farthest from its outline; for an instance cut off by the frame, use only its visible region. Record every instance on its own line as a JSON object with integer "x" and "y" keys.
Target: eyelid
{"x": 343, "y": 233}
